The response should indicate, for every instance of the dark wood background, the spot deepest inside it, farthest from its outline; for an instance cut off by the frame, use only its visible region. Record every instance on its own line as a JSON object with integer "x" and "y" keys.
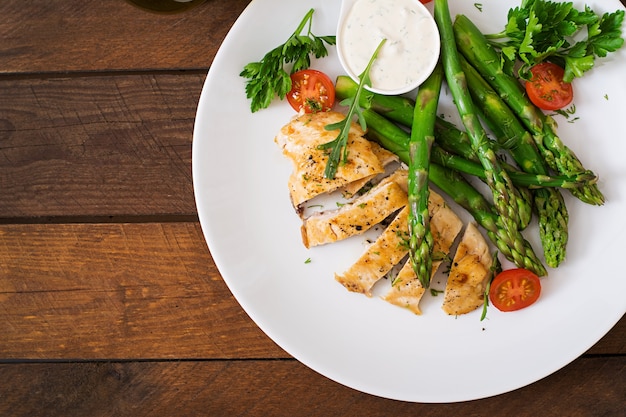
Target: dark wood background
{"x": 110, "y": 303}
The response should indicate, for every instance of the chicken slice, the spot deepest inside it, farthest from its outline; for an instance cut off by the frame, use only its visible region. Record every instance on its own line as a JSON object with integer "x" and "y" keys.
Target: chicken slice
{"x": 385, "y": 157}
{"x": 355, "y": 217}
{"x": 406, "y": 290}
{"x": 300, "y": 139}
{"x": 470, "y": 270}
{"x": 391, "y": 246}
{"x": 379, "y": 258}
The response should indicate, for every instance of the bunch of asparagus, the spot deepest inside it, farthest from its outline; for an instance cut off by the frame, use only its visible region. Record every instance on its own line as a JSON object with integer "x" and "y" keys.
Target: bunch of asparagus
{"x": 444, "y": 154}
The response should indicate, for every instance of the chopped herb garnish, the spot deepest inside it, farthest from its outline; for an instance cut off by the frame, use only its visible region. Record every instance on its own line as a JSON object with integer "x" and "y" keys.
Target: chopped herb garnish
{"x": 404, "y": 238}
{"x": 396, "y": 280}
{"x": 567, "y": 112}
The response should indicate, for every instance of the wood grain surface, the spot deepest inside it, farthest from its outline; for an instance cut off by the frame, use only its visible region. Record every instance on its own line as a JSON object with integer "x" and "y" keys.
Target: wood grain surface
{"x": 43, "y": 36}
{"x": 280, "y": 388}
{"x": 110, "y": 303}
{"x": 99, "y": 145}
{"x": 112, "y": 291}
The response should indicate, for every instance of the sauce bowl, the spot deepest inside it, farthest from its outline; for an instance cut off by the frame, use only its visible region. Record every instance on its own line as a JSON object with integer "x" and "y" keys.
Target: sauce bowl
{"x": 409, "y": 54}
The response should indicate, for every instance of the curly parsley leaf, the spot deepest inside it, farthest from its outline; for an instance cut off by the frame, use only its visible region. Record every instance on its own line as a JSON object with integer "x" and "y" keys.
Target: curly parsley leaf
{"x": 541, "y": 30}
{"x": 338, "y": 147}
{"x": 268, "y": 78}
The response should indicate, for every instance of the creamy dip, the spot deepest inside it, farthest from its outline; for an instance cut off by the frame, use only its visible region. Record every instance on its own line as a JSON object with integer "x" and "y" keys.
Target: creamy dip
{"x": 411, "y": 49}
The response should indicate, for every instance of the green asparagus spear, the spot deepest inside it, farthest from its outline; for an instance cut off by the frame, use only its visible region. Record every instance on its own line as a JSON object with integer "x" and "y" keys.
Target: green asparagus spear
{"x": 420, "y": 142}
{"x": 506, "y": 198}
{"x": 397, "y": 108}
{"x": 456, "y": 142}
{"x": 501, "y": 119}
{"x": 511, "y": 243}
{"x": 509, "y": 132}
{"x": 473, "y": 45}
{"x": 521, "y": 179}
{"x": 453, "y": 140}
{"x": 400, "y": 109}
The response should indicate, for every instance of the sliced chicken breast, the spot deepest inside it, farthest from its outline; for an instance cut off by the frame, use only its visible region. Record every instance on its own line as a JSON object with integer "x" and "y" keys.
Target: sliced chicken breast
{"x": 355, "y": 217}
{"x": 299, "y": 140}
{"x": 385, "y": 157}
{"x": 406, "y": 290}
{"x": 469, "y": 273}
{"x": 391, "y": 247}
{"x": 379, "y": 258}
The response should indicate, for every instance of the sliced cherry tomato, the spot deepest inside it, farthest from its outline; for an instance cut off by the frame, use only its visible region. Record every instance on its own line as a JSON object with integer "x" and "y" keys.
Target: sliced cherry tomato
{"x": 514, "y": 289}
{"x": 546, "y": 88}
{"x": 312, "y": 91}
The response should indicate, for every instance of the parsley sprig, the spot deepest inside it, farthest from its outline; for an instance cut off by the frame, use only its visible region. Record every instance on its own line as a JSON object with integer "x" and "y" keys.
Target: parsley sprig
{"x": 267, "y": 78}
{"x": 541, "y": 30}
{"x": 338, "y": 147}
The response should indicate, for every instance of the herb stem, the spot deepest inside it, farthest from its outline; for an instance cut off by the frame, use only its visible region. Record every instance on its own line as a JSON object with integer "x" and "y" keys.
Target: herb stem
{"x": 338, "y": 147}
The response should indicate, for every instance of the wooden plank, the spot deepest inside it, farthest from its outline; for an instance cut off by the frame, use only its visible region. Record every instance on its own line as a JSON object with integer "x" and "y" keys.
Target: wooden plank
{"x": 588, "y": 387}
{"x": 97, "y": 146}
{"x": 613, "y": 342}
{"x": 112, "y": 291}
{"x": 118, "y": 291}
{"x": 92, "y": 35}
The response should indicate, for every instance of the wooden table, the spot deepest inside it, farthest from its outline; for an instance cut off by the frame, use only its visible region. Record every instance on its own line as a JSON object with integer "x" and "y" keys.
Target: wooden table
{"x": 110, "y": 303}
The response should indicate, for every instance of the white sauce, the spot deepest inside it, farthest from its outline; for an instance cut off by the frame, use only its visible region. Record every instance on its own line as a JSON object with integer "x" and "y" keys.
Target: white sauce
{"x": 411, "y": 49}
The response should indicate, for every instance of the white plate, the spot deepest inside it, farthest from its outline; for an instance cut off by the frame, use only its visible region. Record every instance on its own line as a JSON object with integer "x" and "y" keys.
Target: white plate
{"x": 240, "y": 181}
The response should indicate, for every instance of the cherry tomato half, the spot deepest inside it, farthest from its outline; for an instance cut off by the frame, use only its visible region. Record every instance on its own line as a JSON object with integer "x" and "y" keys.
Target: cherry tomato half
{"x": 514, "y": 289}
{"x": 546, "y": 88}
{"x": 311, "y": 90}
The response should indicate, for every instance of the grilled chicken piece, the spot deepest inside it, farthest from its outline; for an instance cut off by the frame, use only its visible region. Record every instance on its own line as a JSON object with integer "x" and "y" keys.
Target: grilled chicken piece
{"x": 469, "y": 273}
{"x": 299, "y": 140}
{"x": 379, "y": 258}
{"x": 355, "y": 217}
{"x": 385, "y": 157}
{"x": 390, "y": 248}
{"x": 406, "y": 290}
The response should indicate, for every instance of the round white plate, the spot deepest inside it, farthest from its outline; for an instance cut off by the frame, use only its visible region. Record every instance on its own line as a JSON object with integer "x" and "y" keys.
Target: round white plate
{"x": 240, "y": 181}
